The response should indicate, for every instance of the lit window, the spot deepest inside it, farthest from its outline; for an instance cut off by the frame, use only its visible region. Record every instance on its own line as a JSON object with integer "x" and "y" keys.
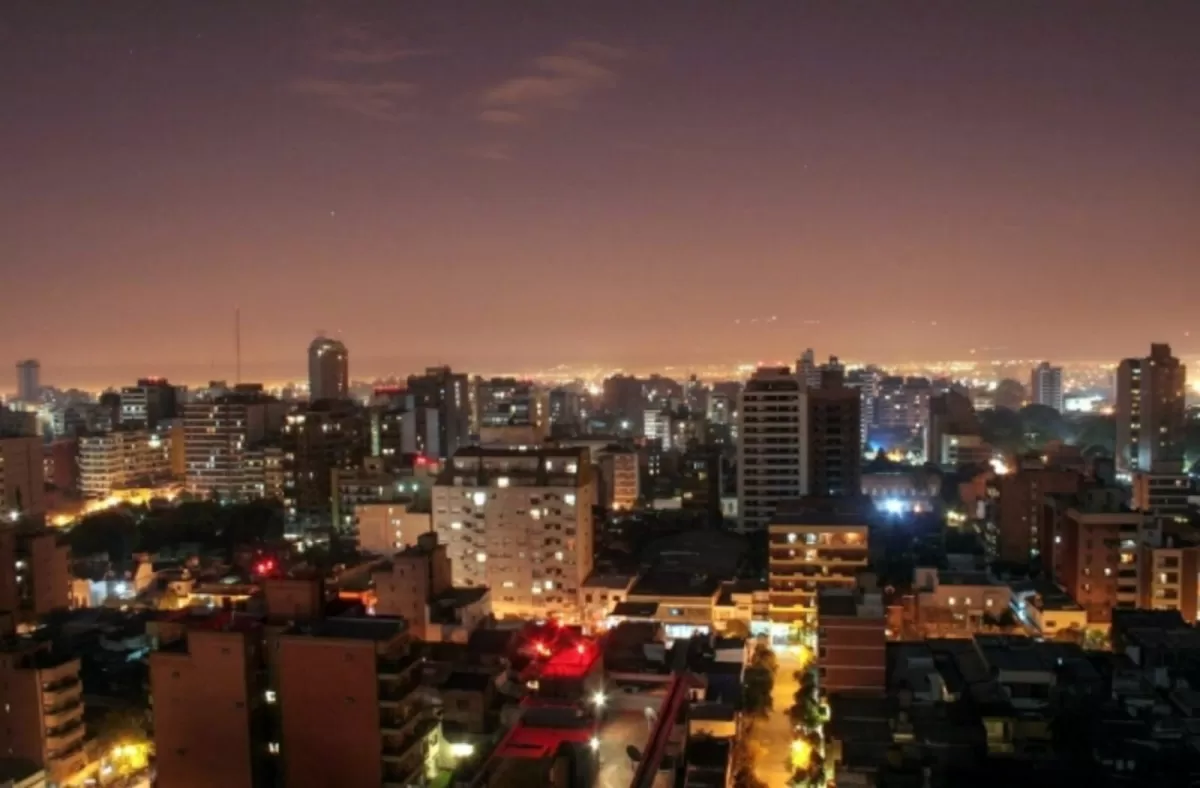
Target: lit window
{"x": 569, "y": 498}
{"x": 481, "y": 557}
{"x": 270, "y": 696}
{"x": 502, "y": 481}
{"x": 953, "y": 601}
{"x": 456, "y": 525}
{"x": 273, "y": 747}
{"x": 791, "y": 538}
{"x": 479, "y": 498}
{"x": 559, "y": 555}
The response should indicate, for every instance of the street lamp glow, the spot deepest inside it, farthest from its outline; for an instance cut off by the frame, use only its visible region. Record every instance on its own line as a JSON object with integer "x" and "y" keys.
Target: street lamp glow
{"x": 594, "y": 743}
{"x": 599, "y": 699}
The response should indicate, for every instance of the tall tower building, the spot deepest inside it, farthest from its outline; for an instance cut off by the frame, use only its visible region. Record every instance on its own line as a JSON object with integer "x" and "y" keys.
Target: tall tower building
{"x": 328, "y": 370}
{"x": 1150, "y": 411}
{"x": 832, "y": 437}
{"x": 447, "y": 392}
{"x": 29, "y": 384}
{"x": 1046, "y": 386}
{"x": 219, "y": 438}
{"x": 808, "y": 371}
{"x": 772, "y": 462}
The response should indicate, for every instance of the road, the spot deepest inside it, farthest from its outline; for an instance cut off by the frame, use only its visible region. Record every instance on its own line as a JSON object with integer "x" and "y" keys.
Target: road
{"x": 772, "y": 737}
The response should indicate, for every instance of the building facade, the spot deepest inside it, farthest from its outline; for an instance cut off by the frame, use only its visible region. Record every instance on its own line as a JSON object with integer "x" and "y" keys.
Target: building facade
{"x": 1150, "y": 412}
{"x": 1046, "y": 386}
{"x": 520, "y": 523}
{"x": 328, "y": 370}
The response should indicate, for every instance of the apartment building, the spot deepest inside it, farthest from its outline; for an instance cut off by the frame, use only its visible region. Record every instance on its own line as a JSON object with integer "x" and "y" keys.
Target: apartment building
{"x": 353, "y": 713}
{"x": 1020, "y": 510}
{"x": 22, "y": 474}
{"x": 210, "y": 706}
{"x": 1150, "y": 410}
{"x": 220, "y": 433}
{"x": 772, "y": 463}
{"x": 328, "y": 435}
{"x": 1101, "y": 544}
{"x": 621, "y": 478}
{"x": 41, "y": 696}
{"x": 1169, "y": 578}
{"x": 40, "y": 580}
{"x": 814, "y": 543}
{"x": 520, "y": 523}
{"x": 384, "y": 528}
{"x": 851, "y": 640}
{"x": 122, "y": 459}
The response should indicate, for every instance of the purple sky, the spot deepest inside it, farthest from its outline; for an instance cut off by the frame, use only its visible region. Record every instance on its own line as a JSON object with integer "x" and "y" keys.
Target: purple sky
{"x": 509, "y": 184}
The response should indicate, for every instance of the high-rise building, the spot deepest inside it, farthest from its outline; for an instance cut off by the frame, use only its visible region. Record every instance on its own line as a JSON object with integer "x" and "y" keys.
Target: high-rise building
{"x": 1151, "y": 412}
{"x": 328, "y": 370}
{"x": 566, "y": 408}
{"x": 360, "y": 680}
{"x": 29, "y": 384}
{"x": 39, "y": 580}
{"x": 1046, "y": 386}
{"x": 520, "y": 523}
{"x": 41, "y": 695}
{"x": 447, "y": 393}
{"x": 150, "y": 402}
{"x": 808, "y": 372}
{"x": 511, "y": 411}
{"x": 1101, "y": 545}
{"x": 327, "y": 435}
{"x": 621, "y": 478}
{"x": 832, "y": 437}
{"x": 772, "y": 463}
{"x": 1024, "y": 529}
{"x": 815, "y": 543}
{"x": 220, "y": 434}
{"x": 951, "y": 429}
{"x": 657, "y": 427}
{"x": 903, "y": 404}
{"x": 211, "y": 707}
{"x": 22, "y": 476}
{"x": 122, "y": 459}
{"x": 866, "y": 381}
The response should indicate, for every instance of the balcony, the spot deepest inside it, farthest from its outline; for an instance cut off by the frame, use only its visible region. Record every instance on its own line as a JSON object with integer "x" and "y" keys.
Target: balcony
{"x": 60, "y": 716}
{"x": 392, "y": 669}
{"x": 61, "y": 693}
{"x": 392, "y": 694}
{"x": 65, "y": 763}
{"x": 66, "y": 738}
{"x": 398, "y": 750}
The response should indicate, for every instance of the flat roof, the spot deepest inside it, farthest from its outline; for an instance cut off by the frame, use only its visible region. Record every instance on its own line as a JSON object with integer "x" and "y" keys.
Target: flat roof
{"x": 609, "y": 581}
{"x": 635, "y": 609}
{"x": 373, "y": 628}
{"x": 571, "y": 662}
{"x": 676, "y": 583}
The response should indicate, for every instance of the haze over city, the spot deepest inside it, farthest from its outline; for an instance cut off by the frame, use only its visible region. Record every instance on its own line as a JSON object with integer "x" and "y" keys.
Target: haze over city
{"x": 623, "y": 184}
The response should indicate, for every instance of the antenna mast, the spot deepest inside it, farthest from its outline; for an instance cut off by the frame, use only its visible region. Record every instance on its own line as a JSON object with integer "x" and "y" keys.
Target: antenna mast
{"x": 237, "y": 343}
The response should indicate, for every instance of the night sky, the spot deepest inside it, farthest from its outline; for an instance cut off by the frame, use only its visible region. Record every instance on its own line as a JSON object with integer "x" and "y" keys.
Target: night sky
{"x": 504, "y": 185}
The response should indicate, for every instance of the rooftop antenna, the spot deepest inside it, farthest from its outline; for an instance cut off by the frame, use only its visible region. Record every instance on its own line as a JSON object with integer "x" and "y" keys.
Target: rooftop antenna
{"x": 237, "y": 344}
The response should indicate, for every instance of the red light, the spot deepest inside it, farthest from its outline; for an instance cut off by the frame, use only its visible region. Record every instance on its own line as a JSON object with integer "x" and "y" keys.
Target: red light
{"x": 581, "y": 648}
{"x": 422, "y": 460}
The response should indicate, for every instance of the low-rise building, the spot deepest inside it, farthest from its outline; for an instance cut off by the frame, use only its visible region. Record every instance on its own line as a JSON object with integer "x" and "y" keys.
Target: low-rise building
{"x": 599, "y": 594}
{"x": 851, "y": 640}
{"x": 42, "y": 700}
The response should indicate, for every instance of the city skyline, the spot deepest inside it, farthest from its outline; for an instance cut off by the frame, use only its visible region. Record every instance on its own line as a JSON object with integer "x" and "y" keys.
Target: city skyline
{"x": 887, "y": 184}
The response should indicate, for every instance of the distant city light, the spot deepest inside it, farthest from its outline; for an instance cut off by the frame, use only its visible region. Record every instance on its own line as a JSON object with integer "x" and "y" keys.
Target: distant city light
{"x": 893, "y": 506}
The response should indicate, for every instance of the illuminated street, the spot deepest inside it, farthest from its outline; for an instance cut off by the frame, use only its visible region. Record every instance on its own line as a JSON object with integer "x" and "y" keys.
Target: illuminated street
{"x": 772, "y": 737}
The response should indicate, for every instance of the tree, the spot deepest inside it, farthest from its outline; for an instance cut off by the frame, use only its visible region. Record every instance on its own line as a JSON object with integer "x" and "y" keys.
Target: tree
{"x": 1042, "y": 424}
{"x": 765, "y": 657}
{"x": 1009, "y": 395}
{"x": 758, "y": 684}
{"x": 1003, "y": 429}
{"x": 737, "y": 628}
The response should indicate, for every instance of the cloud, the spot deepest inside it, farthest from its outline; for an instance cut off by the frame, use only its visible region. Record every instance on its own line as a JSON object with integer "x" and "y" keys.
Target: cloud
{"x": 501, "y": 117}
{"x": 560, "y": 81}
{"x": 385, "y": 100}
{"x": 491, "y": 151}
{"x": 372, "y": 55}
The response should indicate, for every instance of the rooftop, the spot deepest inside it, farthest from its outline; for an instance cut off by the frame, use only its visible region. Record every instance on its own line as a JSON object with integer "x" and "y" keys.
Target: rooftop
{"x": 676, "y": 584}
{"x": 374, "y": 628}
{"x": 465, "y": 681}
{"x": 612, "y": 582}
{"x": 571, "y": 662}
{"x": 825, "y": 511}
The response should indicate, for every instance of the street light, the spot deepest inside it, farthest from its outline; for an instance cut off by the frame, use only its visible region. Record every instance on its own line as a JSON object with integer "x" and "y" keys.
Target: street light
{"x": 594, "y": 743}
{"x": 599, "y": 699}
